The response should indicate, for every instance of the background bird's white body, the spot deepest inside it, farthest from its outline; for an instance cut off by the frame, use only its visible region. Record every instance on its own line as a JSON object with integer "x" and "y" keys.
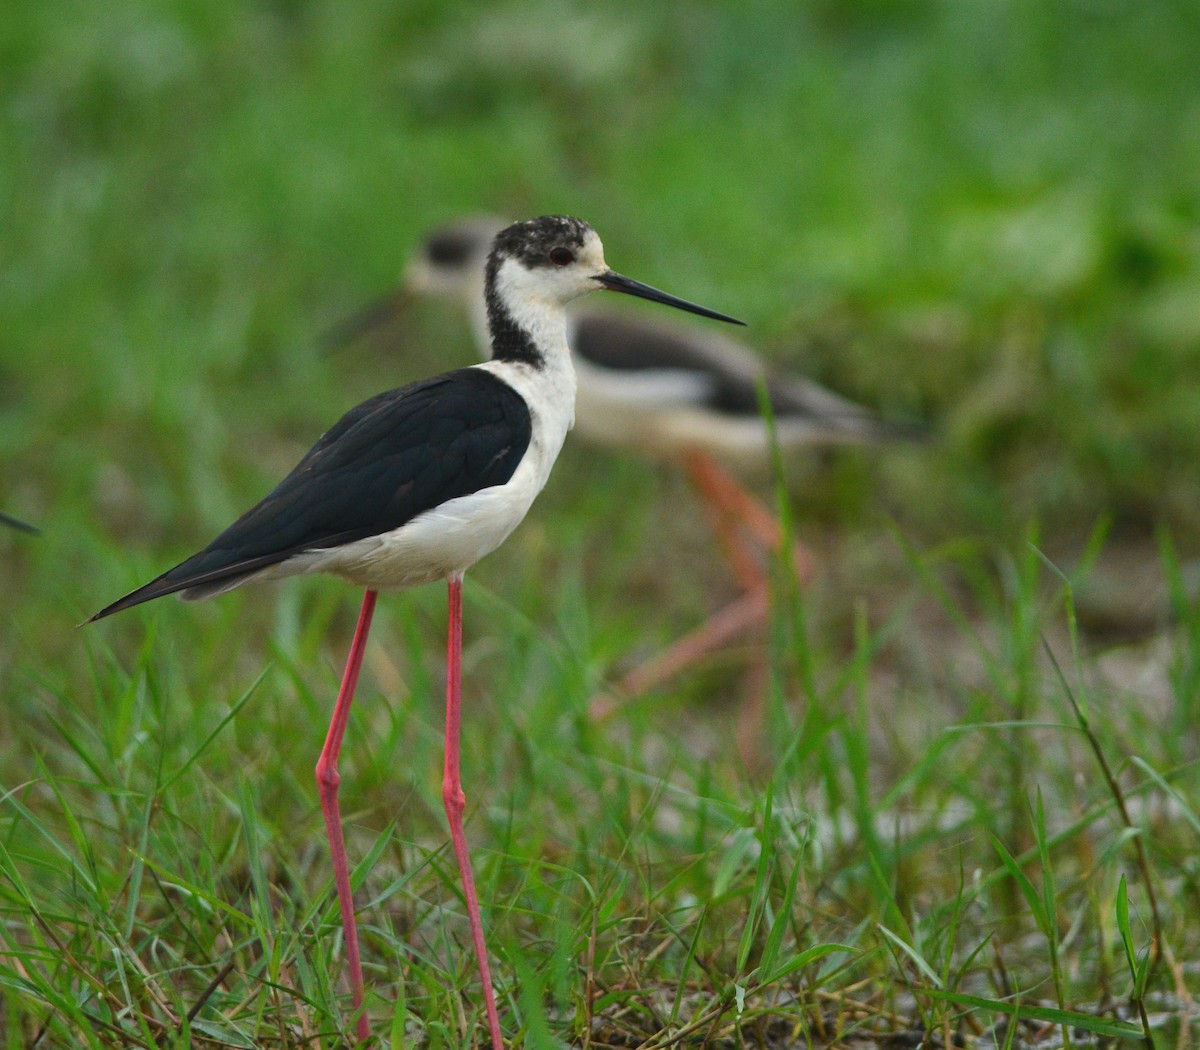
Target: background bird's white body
{"x": 660, "y": 412}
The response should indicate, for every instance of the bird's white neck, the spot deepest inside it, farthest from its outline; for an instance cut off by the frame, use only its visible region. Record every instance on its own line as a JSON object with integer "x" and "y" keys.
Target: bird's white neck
{"x": 528, "y": 337}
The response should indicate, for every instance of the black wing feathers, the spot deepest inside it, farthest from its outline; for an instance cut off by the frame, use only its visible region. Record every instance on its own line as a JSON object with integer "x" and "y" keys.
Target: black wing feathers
{"x": 612, "y": 341}
{"x": 731, "y": 388}
{"x": 393, "y": 457}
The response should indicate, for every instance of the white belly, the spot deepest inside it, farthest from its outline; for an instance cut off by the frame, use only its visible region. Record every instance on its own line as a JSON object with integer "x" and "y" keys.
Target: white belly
{"x": 439, "y": 543}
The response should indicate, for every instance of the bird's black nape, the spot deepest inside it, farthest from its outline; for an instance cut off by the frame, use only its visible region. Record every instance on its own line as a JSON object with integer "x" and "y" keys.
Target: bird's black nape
{"x": 530, "y": 243}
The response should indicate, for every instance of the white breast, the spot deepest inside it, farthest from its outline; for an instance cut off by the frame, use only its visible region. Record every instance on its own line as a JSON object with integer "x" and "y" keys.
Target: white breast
{"x": 452, "y": 537}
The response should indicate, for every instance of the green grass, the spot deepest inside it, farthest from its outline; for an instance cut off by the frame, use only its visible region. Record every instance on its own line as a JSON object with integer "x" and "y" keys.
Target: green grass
{"x": 972, "y": 806}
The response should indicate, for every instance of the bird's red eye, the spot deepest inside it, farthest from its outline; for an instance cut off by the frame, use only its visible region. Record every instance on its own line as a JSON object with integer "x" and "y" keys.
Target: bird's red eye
{"x": 561, "y": 256}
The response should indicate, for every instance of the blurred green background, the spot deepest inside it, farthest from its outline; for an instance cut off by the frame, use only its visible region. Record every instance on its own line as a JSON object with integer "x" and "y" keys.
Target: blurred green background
{"x": 978, "y": 214}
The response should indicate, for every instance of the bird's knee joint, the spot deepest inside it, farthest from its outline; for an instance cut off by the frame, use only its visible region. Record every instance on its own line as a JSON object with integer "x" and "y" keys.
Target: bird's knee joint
{"x": 453, "y": 797}
{"x": 328, "y": 776}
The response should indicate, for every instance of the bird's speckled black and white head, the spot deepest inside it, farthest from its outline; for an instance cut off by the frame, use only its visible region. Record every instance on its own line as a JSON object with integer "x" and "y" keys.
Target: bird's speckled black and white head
{"x": 540, "y": 243}
{"x": 536, "y": 268}
{"x": 550, "y": 260}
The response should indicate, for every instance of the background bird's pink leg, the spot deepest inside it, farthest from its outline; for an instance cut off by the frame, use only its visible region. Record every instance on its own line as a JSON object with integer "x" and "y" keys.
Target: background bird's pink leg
{"x": 456, "y": 802}
{"x": 720, "y": 487}
{"x": 718, "y": 630}
{"x": 737, "y": 518}
{"x": 328, "y": 779}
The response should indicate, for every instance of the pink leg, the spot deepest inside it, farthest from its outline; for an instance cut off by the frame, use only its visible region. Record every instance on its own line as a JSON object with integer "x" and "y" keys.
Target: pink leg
{"x": 744, "y": 557}
{"x": 456, "y": 802}
{"x": 328, "y": 779}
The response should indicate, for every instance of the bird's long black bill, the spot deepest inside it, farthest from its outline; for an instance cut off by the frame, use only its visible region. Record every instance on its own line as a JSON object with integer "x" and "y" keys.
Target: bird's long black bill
{"x": 365, "y": 320}
{"x": 615, "y": 282}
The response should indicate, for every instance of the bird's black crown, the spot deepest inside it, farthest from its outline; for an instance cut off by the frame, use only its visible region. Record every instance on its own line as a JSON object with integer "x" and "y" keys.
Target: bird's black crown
{"x": 530, "y": 242}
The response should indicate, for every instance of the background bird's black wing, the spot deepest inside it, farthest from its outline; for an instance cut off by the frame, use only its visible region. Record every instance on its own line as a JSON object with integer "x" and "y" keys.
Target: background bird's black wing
{"x": 16, "y": 523}
{"x": 393, "y": 457}
{"x": 730, "y": 381}
{"x": 612, "y": 341}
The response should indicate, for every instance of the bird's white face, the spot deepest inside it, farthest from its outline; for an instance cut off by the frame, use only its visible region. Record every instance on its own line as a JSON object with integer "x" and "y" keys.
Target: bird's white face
{"x": 553, "y": 276}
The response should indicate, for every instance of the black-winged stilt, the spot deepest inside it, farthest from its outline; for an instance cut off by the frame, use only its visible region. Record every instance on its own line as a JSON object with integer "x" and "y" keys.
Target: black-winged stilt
{"x": 667, "y": 391}
{"x": 416, "y": 485}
